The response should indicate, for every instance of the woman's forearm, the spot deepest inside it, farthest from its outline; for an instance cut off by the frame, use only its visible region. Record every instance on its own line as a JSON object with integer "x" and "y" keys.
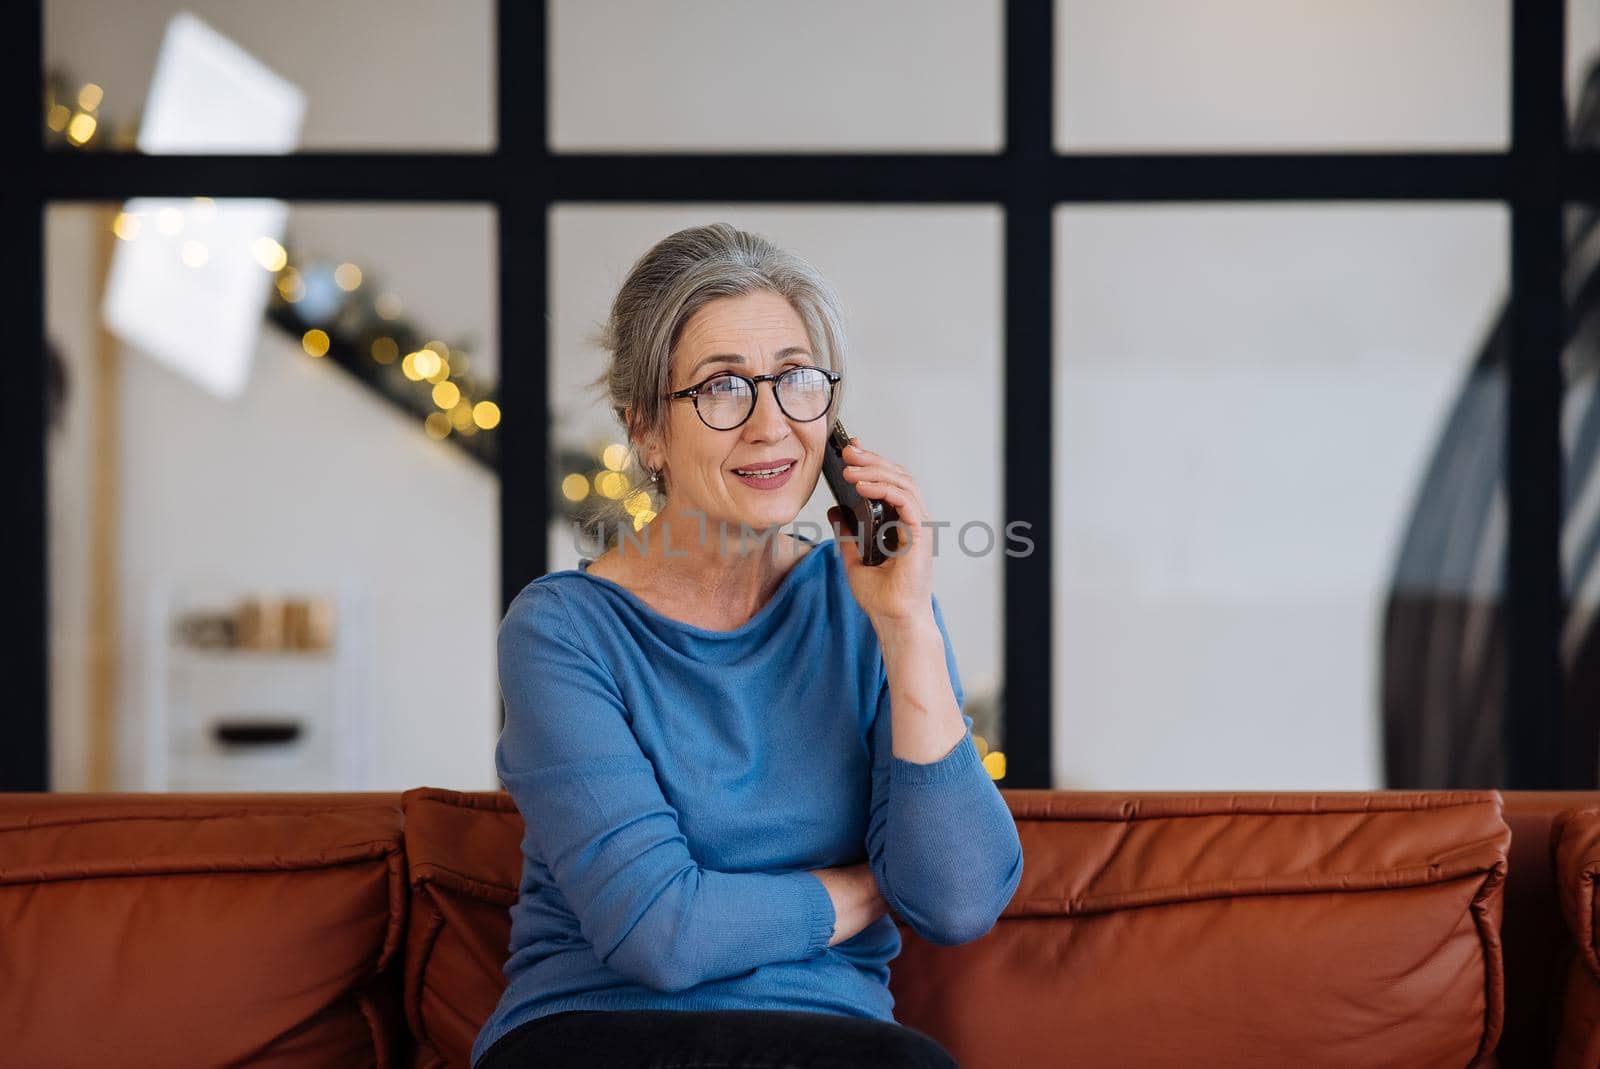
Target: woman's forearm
{"x": 927, "y": 721}
{"x": 856, "y": 901}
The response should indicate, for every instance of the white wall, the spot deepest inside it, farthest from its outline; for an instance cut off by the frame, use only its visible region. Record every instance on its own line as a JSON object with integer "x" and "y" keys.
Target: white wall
{"x": 1281, "y": 75}
{"x": 1234, "y": 470}
{"x": 70, "y": 282}
{"x": 760, "y": 75}
{"x": 377, "y": 74}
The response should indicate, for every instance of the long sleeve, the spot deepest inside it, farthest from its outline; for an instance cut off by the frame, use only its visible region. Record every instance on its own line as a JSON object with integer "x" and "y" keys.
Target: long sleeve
{"x": 596, "y": 815}
{"x": 940, "y": 838}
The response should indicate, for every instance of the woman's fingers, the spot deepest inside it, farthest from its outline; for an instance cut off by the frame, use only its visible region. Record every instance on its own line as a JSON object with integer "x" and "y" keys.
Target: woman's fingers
{"x": 867, "y": 456}
{"x": 905, "y": 500}
{"x": 877, "y": 477}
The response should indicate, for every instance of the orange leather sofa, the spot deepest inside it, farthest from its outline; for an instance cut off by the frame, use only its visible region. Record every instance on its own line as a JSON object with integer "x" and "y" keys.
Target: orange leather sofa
{"x": 1351, "y": 929}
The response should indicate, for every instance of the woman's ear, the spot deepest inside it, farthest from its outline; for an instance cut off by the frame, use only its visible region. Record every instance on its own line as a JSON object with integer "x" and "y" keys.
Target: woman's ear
{"x": 649, "y": 451}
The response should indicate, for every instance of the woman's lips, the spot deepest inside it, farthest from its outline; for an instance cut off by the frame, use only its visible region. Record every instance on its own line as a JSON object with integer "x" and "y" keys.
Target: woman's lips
{"x": 771, "y": 482}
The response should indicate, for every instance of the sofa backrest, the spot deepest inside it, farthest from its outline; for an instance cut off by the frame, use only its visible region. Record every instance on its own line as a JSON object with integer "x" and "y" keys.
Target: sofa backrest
{"x": 1149, "y": 929}
{"x": 465, "y": 863}
{"x": 291, "y": 929}
{"x": 170, "y": 929}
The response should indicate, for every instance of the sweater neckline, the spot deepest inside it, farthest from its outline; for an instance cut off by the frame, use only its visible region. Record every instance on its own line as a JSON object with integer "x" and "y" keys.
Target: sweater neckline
{"x": 785, "y": 585}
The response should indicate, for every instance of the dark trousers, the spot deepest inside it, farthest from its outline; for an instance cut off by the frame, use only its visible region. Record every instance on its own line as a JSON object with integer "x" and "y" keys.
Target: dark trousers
{"x": 703, "y": 1039}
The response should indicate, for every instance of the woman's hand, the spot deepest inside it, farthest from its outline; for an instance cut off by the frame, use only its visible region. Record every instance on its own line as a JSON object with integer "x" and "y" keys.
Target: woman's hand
{"x": 856, "y": 899}
{"x": 901, "y": 588}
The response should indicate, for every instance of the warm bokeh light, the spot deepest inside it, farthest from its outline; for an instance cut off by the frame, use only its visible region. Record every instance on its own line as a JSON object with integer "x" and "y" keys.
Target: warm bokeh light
{"x": 995, "y": 762}
{"x": 81, "y": 128}
{"x": 347, "y": 276}
{"x": 387, "y": 305}
{"x": 437, "y": 425}
{"x": 90, "y": 96}
{"x": 614, "y": 456}
{"x": 461, "y": 417}
{"x": 409, "y": 367}
{"x": 439, "y": 347}
{"x": 611, "y": 484}
{"x": 169, "y": 221}
{"x": 981, "y": 743}
{"x": 315, "y": 342}
{"x": 427, "y": 363}
{"x": 195, "y": 253}
{"x": 446, "y": 394}
{"x": 643, "y": 518}
{"x": 58, "y": 117}
{"x": 637, "y": 502}
{"x": 575, "y": 487}
{"x": 126, "y": 226}
{"x": 291, "y": 287}
{"x": 486, "y": 414}
{"x": 384, "y": 350}
{"x": 269, "y": 254}
{"x": 441, "y": 372}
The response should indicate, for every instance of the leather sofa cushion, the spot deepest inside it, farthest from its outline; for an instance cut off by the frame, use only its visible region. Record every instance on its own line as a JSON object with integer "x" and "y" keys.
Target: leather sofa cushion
{"x": 1575, "y": 842}
{"x": 163, "y": 930}
{"x": 465, "y": 855}
{"x": 1248, "y": 930}
{"x": 1150, "y": 929}
{"x": 1575, "y": 839}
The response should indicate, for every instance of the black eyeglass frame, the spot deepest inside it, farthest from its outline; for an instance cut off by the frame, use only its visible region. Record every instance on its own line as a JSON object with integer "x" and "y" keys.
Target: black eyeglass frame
{"x": 693, "y": 392}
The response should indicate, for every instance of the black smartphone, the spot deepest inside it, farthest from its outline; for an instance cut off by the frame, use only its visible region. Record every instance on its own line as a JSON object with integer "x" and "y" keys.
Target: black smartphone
{"x": 861, "y": 514}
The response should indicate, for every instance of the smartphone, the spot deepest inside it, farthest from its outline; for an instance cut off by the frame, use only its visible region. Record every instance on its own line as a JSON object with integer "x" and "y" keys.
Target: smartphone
{"x": 861, "y": 514}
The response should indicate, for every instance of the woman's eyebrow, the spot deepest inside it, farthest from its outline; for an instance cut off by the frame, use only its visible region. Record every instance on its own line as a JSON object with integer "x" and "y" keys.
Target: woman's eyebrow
{"x": 736, "y": 358}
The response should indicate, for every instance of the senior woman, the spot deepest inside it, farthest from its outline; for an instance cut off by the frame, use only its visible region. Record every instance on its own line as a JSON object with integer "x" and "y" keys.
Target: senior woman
{"x": 735, "y": 750}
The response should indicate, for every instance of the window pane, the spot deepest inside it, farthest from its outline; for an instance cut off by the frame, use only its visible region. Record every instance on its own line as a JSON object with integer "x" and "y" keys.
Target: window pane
{"x": 271, "y": 567}
{"x": 1580, "y": 543}
{"x": 1258, "y": 484}
{"x": 737, "y": 75}
{"x": 297, "y": 74}
{"x": 1164, "y": 75}
{"x": 912, "y": 376}
{"x": 1583, "y": 80}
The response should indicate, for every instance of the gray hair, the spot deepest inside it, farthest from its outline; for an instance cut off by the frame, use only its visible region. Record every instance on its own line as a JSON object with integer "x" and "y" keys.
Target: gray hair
{"x": 666, "y": 286}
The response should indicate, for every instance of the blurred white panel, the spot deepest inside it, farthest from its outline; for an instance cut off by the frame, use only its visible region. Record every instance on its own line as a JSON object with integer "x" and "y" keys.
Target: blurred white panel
{"x": 208, "y": 95}
{"x": 185, "y": 288}
{"x": 921, "y": 290}
{"x": 1163, "y": 75}
{"x": 1245, "y": 400}
{"x": 738, "y": 75}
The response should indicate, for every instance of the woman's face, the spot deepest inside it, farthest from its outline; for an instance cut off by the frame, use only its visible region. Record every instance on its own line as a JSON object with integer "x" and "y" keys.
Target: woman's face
{"x": 754, "y": 334}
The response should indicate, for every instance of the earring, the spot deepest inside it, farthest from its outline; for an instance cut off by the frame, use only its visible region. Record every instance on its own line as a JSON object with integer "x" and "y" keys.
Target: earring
{"x": 655, "y": 474}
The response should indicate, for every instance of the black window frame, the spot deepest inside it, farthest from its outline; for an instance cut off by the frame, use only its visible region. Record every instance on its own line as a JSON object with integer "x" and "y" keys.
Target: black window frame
{"x": 523, "y": 179}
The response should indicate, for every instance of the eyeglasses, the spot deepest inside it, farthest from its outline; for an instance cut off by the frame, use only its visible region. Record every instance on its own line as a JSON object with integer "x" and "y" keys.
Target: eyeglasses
{"x": 726, "y": 399}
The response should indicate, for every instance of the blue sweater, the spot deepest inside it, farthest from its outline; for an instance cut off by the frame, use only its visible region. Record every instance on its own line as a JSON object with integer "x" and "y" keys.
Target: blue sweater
{"x": 677, "y": 781}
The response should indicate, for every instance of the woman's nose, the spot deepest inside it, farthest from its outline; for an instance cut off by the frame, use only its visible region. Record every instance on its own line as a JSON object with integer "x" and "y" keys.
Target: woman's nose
{"x": 769, "y": 416}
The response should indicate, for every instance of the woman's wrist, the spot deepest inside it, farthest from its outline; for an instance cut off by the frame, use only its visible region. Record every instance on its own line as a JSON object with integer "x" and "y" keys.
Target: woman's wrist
{"x": 856, "y": 900}
{"x": 908, "y": 617}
